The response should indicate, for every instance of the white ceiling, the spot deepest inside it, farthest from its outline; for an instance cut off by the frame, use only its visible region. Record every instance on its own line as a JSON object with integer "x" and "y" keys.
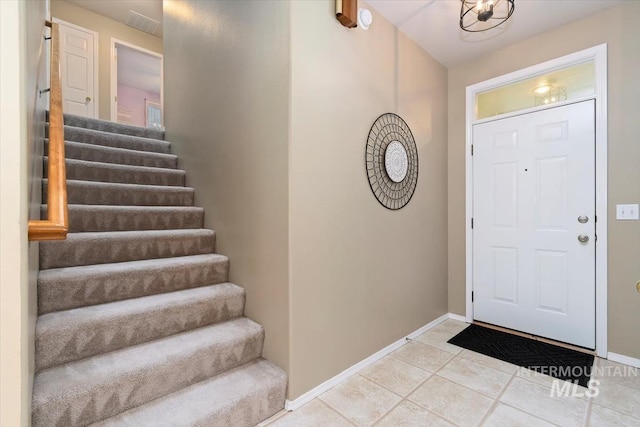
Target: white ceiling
{"x": 433, "y": 24}
{"x": 119, "y": 9}
{"x": 138, "y": 70}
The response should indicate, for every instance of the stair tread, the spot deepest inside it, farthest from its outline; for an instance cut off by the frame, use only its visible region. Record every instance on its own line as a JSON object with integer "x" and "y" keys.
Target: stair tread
{"x": 209, "y": 402}
{"x": 138, "y": 320}
{"x": 121, "y": 379}
{"x": 110, "y": 139}
{"x": 110, "y": 193}
{"x": 124, "y": 208}
{"x": 97, "y": 235}
{"x": 77, "y": 286}
{"x": 97, "y": 124}
{"x": 86, "y": 170}
{"x": 123, "y": 167}
{"x": 117, "y": 246}
{"x": 86, "y": 218}
{"x": 125, "y": 186}
{"x": 65, "y": 273}
{"x": 102, "y": 153}
{"x": 138, "y": 324}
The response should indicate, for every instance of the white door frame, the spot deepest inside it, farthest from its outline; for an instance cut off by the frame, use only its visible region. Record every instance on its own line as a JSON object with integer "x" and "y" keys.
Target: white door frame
{"x": 113, "y": 73}
{"x": 597, "y": 54}
{"x": 96, "y": 54}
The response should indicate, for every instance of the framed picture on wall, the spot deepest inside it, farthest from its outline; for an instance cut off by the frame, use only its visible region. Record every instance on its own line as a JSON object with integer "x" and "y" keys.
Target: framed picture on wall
{"x": 153, "y": 114}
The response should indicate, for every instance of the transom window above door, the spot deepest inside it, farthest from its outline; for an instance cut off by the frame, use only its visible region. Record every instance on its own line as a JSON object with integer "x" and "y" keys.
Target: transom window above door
{"x": 570, "y": 83}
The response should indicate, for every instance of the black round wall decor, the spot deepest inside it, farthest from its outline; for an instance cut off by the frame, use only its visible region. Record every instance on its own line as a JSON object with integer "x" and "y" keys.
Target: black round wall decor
{"x": 391, "y": 159}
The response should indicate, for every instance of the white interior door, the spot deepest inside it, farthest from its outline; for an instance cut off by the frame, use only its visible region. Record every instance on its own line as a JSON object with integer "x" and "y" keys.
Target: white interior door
{"x": 78, "y": 69}
{"x": 533, "y": 211}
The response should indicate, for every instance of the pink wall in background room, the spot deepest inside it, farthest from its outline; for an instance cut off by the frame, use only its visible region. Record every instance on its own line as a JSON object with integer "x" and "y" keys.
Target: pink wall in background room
{"x": 131, "y": 103}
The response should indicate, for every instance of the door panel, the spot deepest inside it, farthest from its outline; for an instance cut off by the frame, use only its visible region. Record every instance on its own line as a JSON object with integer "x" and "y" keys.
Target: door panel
{"x": 533, "y": 176}
{"x": 77, "y": 64}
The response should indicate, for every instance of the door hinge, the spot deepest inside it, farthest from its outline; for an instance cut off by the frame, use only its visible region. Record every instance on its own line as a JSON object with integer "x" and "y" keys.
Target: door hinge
{"x": 472, "y": 149}
{"x": 471, "y": 296}
{"x": 472, "y": 223}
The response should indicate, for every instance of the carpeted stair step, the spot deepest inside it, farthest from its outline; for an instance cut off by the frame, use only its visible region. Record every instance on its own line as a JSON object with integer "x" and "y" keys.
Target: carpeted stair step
{"x": 241, "y": 397}
{"x": 107, "y": 193}
{"x": 106, "y": 126}
{"x": 98, "y": 153}
{"x": 99, "y": 387}
{"x": 118, "y": 246}
{"x": 72, "y": 287}
{"x": 84, "y": 218}
{"x": 66, "y": 336}
{"x": 125, "y": 174}
{"x": 115, "y": 140}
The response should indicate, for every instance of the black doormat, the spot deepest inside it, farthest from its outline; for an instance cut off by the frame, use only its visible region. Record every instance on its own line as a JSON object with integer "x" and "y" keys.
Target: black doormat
{"x": 548, "y": 359}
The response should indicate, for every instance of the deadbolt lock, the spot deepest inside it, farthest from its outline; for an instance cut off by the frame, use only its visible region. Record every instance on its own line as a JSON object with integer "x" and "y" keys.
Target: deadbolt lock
{"x": 583, "y": 219}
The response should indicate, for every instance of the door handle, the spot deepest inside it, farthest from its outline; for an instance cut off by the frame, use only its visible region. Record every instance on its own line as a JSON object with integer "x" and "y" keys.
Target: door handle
{"x": 88, "y": 99}
{"x": 583, "y": 238}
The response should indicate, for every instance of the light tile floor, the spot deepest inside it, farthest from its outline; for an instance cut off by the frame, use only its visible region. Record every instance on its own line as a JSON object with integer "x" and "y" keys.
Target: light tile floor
{"x": 428, "y": 382}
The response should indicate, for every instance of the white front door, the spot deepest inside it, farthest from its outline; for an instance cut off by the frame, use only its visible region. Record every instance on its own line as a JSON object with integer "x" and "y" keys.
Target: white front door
{"x": 78, "y": 70}
{"x": 534, "y": 223}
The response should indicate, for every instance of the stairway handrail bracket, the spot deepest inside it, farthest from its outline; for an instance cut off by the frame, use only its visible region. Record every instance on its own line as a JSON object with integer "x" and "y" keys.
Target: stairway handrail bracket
{"x": 56, "y": 225}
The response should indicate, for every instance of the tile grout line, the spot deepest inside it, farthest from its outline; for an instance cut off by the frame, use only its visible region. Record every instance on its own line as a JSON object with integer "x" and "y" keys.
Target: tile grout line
{"x": 394, "y": 392}
{"x": 526, "y": 411}
{"x": 497, "y": 399}
{"x": 446, "y": 379}
{"x": 331, "y": 408}
{"x": 587, "y": 415}
{"x": 609, "y": 379}
{"x": 405, "y": 398}
{"x": 402, "y": 398}
{"x": 344, "y": 416}
{"x": 421, "y": 343}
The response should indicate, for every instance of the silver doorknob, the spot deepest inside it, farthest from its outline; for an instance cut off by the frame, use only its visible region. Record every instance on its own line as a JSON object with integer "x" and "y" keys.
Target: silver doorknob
{"x": 583, "y": 238}
{"x": 88, "y": 99}
{"x": 583, "y": 219}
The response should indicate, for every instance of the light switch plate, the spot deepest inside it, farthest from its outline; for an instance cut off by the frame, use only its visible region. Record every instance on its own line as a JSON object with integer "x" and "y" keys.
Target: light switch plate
{"x": 628, "y": 212}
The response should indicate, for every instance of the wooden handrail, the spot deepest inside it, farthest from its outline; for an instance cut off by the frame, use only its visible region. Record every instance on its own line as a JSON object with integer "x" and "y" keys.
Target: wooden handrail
{"x": 56, "y": 225}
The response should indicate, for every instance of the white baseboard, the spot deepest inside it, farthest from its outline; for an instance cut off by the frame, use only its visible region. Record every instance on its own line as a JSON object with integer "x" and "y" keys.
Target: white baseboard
{"x": 457, "y": 317}
{"x": 626, "y": 360}
{"x": 292, "y": 405}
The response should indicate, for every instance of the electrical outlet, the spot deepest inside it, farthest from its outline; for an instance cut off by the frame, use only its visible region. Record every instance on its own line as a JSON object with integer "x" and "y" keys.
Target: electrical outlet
{"x": 627, "y": 212}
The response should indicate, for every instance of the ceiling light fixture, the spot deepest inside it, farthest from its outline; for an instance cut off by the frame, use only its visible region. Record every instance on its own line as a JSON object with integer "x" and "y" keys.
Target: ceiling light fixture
{"x": 542, "y": 89}
{"x": 483, "y": 15}
{"x": 554, "y": 94}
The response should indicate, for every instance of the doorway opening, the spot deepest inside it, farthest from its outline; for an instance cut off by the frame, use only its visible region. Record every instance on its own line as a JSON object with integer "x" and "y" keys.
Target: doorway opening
{"x": 136, "y": 85}
{"x": 590, "y": 61}
{"x": 79, "y": 69}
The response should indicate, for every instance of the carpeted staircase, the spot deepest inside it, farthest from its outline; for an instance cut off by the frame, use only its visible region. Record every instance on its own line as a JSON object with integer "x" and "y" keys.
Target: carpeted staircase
{"x": 137, "y": 323}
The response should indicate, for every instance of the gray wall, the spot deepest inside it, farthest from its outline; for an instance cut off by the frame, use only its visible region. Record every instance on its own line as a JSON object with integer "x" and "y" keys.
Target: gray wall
{"x": 227, "y": 115}
{"x": 270, "y": 117}
{"x": 362, "y": 276}
{"x": 619, "y": 27}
